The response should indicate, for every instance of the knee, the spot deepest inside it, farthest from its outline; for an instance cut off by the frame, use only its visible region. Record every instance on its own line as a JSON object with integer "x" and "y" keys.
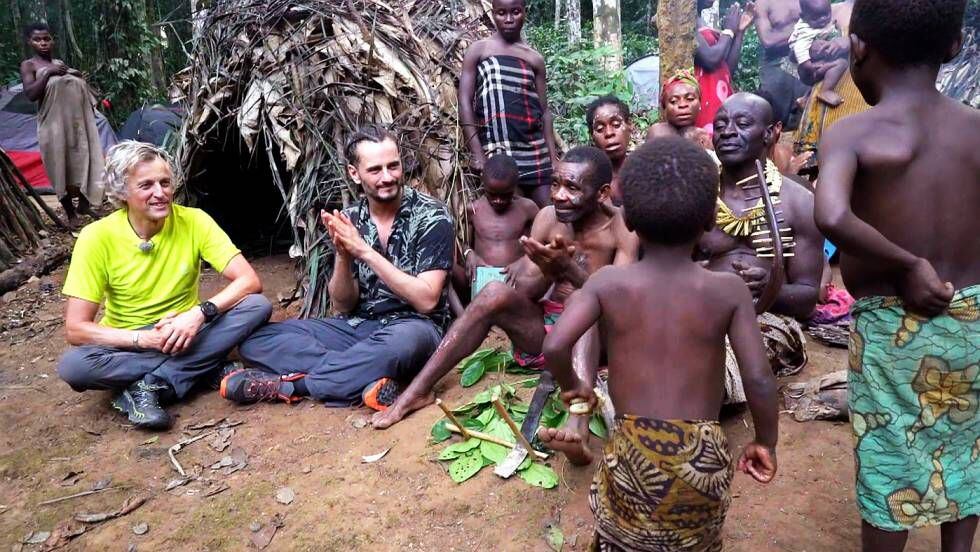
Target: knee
{"x": 494, "y": 297}
{"x": 256, "y": 305}
{"x": 74, "y": 367}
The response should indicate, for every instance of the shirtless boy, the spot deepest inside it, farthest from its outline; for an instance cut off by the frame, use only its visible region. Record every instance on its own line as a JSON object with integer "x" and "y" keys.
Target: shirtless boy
{"x": 503, "y": 102}
{"x": 611, "y": 126}
{"x": 72, "y": 171}
{"x": 569, "y": 240}
{"x": 497, "y": 220}
{"x": 666, "y": 348}
{"x": 899, "y": 188}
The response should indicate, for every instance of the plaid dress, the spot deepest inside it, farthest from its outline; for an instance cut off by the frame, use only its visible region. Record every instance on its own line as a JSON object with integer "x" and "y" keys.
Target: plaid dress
{"x": 509, "y": 113}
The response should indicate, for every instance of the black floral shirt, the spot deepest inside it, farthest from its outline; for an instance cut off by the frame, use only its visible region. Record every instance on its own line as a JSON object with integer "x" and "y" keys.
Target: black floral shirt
{"x": 421, "y": 240}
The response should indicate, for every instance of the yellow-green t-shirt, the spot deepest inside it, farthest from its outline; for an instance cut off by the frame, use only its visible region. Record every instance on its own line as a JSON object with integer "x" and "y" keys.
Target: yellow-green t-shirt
{"x": 140, "y": 288}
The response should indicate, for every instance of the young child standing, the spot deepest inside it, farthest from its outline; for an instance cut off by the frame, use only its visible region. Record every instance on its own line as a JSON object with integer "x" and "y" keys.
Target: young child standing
{"x": 818, "y": 64}
{"x": 503, "y": 103}
{"x": 497, "y": 220}
{"x": 898, "y": 194}
{"x": 666, "y": 351}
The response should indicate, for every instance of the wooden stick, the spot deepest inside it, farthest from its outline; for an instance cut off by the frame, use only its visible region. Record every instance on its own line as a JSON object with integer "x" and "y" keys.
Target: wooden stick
{"x": 452, "y": 418}
{"x": 493, "y": 439}
{"x": 513, "y": 427}
{"x": 77, "y": 495}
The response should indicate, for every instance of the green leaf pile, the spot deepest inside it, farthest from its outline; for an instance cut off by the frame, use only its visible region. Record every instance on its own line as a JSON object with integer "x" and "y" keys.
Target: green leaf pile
{"x": 467, "y": 458}
{"x": 474, "y": 367}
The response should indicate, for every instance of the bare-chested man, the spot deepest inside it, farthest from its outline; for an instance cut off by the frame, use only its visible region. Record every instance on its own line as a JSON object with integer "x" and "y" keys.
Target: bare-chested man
{"x": 569, "y": 240}
{"x": 899, "y": 189}
{"x": 611, "y": 126}
{"x": 496, "y": 220}
{"x": 744, "y": 128}
{"x": 774, "y": 21}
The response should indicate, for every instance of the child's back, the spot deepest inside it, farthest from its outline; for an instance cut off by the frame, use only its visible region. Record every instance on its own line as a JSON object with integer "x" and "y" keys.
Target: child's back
{"x": 917, "y": 182}
{"x": 664, "y": 327}
{"x": 663, "y": 480}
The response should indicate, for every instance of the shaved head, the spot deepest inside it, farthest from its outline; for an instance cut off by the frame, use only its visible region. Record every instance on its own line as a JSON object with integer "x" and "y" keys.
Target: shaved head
{"x": 743, "y": 129}
{"x": 757, "y": 104}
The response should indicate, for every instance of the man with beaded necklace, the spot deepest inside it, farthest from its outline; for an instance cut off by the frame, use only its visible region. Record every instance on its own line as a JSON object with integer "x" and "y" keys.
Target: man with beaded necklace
{"x": 743, "y": 132}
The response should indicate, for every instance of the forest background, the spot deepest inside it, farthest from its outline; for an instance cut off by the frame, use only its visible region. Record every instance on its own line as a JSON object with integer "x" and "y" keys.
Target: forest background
{"x": 131, "y": 49}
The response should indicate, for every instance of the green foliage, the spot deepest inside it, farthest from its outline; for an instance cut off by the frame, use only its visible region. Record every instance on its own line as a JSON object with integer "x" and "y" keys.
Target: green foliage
{"x": 473, "y": 367}
{"x": 576, "y": 76}
{"x": 479, "y": 415}
{"x": 112, "y": 41}
{"x": 746, "y": 78}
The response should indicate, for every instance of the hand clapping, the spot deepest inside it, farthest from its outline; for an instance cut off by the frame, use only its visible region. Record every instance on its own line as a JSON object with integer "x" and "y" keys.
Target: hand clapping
{"x": 344, "y": 235}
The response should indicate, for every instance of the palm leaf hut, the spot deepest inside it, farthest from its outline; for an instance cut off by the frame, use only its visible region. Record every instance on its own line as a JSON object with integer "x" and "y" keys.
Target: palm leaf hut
{"x": 276, "y": 86}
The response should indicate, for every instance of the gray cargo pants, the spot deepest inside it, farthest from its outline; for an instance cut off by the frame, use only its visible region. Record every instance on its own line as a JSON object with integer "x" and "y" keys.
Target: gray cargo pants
{"x": 97, "y": 367}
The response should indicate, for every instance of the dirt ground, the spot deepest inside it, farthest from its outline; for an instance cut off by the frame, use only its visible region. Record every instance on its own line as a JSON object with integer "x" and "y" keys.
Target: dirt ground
{"x": 405, "y": 501}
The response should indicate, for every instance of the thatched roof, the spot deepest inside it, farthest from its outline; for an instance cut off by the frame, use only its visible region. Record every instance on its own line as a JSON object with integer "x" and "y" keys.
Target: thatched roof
{"x": 300, "y": 75}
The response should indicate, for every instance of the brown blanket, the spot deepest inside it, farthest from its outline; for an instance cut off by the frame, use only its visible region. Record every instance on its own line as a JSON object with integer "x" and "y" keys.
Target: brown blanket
{"x": 69, "y": 139}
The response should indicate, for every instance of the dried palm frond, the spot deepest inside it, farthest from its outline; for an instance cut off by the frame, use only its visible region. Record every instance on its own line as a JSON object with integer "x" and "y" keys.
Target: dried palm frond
{"x": 300, "y": 76}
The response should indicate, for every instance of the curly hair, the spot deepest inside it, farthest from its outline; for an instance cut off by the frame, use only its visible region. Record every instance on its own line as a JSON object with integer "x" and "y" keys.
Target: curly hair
{"x": 502, "y": 168}
{"x": 594, "y": 106}
{"x": 669, "y": 190}
{"x": 120, "y": 160}
{"x": 909, "y": 32}
{"x": 600, "y": 168}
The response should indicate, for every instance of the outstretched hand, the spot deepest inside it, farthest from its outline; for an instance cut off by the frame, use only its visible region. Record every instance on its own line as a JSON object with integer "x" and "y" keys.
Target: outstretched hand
{"x": 748, "y": 16}
{"x": 733, "y": 17}
{"x": 553, "y": 258}
{"x": 758, "y": 461}
{"x": 924, "y": 292}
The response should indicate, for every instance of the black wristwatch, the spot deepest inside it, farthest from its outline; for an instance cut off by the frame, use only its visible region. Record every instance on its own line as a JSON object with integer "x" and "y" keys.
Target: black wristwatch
{"x": 210, "y": 310}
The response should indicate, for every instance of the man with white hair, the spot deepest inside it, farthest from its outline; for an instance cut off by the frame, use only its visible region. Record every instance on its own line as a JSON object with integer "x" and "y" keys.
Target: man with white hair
{"x": 156, "y": 338}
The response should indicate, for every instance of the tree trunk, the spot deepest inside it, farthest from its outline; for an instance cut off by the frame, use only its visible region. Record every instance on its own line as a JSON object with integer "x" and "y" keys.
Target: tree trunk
{"x": 608, "y": 31}
{"x": 574, "y": 11}
{"x": 156, "y": 53}
{"x": 558, "y": 4}
{"x": 18, "y": 24}
{"x": 676, "y": 25}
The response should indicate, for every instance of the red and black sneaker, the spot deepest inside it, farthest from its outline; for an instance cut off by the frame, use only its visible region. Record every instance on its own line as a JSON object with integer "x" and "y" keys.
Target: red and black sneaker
{"x": 250, "y": 385}
{"x": 380, "y": 394}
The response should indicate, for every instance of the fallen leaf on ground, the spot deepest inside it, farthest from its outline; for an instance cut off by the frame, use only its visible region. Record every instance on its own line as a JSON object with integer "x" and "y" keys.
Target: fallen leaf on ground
{"x": 358, "y": 422}
{"x": 204, "y": 425}
{"x": 375, "y": 457}
{"x": 222, "y": 440}
{"x": 285, "y": 495}
{"x": 239, "y": 460}
{"x": 554, "y": 536}
{"x": 90, "y": 431}
{"x": 64, "y": 532}
{"x": 179, "y": 482}
{"x": 71, "y": 478}
{"x": 215, "y": 489}
{"x": 151, "y": 440}
{"x": 307, "y": 468}
{"x": 263, "y": 536}
{"x": 36, "y": 537}
{"x": 254, "y": 527}
{"x": 141, "y": 528}
{"x": 131, "y": 504}
{"x": 102, "y": 484}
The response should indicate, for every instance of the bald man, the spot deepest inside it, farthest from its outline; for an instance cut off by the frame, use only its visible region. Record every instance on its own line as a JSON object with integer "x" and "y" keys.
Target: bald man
{"x": 744, "y": 129}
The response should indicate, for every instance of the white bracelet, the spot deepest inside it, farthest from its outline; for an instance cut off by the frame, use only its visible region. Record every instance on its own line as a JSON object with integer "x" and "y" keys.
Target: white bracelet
{"x": 136, "y": 339}
{"x": 729, "y": 33}
{"x": 467, "y": 253}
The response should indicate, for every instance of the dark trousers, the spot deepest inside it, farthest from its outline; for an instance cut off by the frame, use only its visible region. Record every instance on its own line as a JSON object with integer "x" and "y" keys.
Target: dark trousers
{"x": 96, "y": 367}
{"x": 784, "y": 90}
{"x": 340, "y": 360}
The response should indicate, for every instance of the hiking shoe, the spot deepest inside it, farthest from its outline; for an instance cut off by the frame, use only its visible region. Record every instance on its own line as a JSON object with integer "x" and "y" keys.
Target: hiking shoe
{"x": 140, "y": 403}
{"x": 250, "y": 385}
{"x": 380, "y": 394}
{"x": 223, "y": 371}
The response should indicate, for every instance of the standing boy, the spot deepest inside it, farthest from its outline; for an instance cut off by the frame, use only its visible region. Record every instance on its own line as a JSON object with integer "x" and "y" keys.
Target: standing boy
{"x": 663, "y": 482}
{"x": 69, "y": 140}
{"x": 503, "y": 103}
{"x": 497, "y": 221}
{"x": 899, "y": 189}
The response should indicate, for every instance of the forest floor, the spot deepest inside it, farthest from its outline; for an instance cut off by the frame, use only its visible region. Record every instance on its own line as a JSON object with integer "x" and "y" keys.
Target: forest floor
{"x": 55, "y": 442}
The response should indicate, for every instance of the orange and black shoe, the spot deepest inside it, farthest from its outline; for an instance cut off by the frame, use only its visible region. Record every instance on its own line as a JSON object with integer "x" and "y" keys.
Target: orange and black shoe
{"x": 380, "y": 394}
{"x": 249, "y": 385}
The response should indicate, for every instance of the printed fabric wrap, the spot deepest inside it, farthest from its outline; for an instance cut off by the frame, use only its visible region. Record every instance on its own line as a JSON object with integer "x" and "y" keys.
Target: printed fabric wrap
{"x": 511, "y": 117}
{"x": 662, "y": 486}
{"x": 913, "y": 390}
{"x": 785, "y": 345}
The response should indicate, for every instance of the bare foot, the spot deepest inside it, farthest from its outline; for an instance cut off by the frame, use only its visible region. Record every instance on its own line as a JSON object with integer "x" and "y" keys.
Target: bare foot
{"x": 404, "y": 405}
{"x": 567, "y": 442}
{"x": 830, "y": 98}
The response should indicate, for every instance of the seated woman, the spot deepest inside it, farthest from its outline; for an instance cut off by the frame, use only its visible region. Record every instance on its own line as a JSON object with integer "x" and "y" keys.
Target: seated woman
{"x": 680, "y": 106}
